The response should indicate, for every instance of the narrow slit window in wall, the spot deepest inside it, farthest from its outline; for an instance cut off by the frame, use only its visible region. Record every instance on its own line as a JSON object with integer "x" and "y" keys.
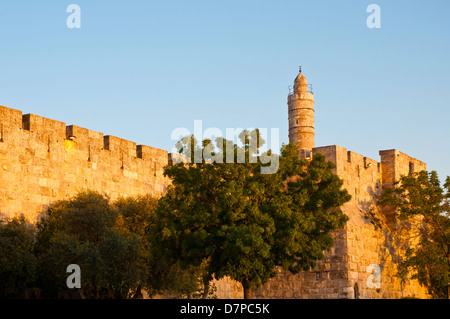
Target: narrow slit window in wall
{"x": 411, "y": 169}
{"x": 356, "y": 290}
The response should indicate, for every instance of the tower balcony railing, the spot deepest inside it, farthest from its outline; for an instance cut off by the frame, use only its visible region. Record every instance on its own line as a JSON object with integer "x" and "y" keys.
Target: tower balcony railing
{"x": 291, "y": 89}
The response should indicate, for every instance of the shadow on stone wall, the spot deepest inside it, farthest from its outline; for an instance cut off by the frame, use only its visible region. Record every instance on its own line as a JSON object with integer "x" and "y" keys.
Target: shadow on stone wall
{"x": 393, "y": 237}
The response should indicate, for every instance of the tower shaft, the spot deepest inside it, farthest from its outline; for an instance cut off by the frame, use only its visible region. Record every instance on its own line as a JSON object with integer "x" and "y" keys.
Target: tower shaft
{"x": 301, "y": 116}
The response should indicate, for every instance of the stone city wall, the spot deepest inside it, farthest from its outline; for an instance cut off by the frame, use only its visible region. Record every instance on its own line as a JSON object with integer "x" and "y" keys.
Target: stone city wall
{"x": 43, "y": 160}
{"x": 363, "y": 262}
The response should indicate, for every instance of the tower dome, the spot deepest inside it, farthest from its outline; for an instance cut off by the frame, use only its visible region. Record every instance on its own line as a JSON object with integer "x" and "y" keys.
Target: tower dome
{"x": 300, "y": 83}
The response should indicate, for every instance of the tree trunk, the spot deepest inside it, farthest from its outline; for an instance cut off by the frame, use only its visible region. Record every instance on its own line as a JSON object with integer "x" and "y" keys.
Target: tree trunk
{"x": 448, "y": 284}
{"x": 138, "y": 292}
{"x": 247, "y": 289}
{"x": 448, "y": 259}
{"x": 206, "y": 281}
{"x": 205, "y": 292}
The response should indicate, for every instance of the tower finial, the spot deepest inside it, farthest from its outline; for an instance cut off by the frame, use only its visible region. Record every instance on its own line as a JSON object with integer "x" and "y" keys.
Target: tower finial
{"x": 300, "y": 69}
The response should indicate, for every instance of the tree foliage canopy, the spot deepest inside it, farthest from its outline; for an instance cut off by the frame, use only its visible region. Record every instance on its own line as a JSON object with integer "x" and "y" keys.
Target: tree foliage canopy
{"x": 422, "y": 199}
{"x": 238, "y": 222}
{"x": 83, "y": 231}
{"x": 217, "y": 219}
{"x": 18, "y": 264}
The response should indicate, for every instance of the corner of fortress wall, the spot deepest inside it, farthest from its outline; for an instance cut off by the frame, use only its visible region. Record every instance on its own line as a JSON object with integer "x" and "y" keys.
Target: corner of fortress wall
{"x": 360, "y": 248}
{"x": 43, "y": 160}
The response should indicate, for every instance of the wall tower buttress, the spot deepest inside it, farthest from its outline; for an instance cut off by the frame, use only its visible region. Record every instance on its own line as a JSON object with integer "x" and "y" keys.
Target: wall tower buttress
{"x": 301, "y": 116}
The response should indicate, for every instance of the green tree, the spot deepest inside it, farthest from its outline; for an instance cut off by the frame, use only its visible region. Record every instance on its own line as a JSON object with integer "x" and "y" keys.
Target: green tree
{"x": 83, "y": 230}
{"x": 18, "y": 264}
{"x": 235, "y": 221}
{"x": 155, "y": 276}
{"x": 422, "y": 200}
{"x": 134, "y": 215}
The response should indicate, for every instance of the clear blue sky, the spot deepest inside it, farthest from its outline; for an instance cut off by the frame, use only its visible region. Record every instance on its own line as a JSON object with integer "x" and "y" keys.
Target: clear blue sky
{"x": 139, "y": 69}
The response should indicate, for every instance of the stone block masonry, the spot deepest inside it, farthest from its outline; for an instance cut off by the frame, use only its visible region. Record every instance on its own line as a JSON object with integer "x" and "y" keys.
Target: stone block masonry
{"x": 43, "y": 160}
{"x": 364, "y": 260}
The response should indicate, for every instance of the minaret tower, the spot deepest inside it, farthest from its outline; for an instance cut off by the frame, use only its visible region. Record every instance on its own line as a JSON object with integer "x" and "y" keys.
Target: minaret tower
{"x": 301, "y": 116}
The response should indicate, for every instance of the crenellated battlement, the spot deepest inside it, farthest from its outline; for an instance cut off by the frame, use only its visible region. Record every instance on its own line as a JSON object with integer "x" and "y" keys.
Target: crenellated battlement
{"x": 43, "y": 160}
{"x": 42, "y": 128}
